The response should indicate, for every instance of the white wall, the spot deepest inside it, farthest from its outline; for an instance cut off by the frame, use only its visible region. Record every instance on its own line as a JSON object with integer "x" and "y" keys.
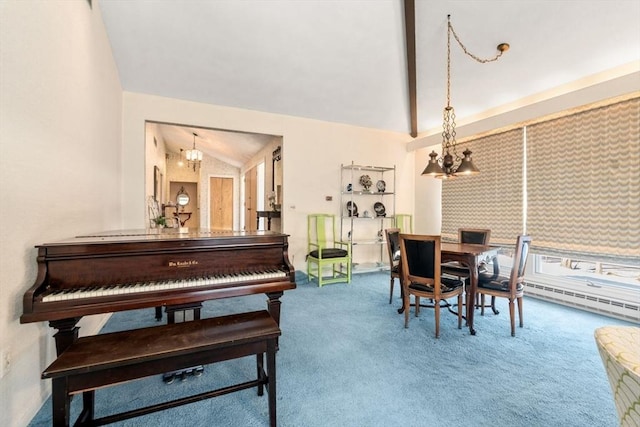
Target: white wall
{"x": 60, "y": 175}
{"x": 312, "y": 154}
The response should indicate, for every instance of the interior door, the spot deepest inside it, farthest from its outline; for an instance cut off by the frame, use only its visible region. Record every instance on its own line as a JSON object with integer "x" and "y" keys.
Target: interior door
{"x": 251, "y": 199}
{"x": 221, "y": 203}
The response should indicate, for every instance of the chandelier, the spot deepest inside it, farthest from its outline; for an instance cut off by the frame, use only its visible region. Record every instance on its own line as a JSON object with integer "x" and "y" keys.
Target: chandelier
{"x": 450, "y": 164}
{"x": 194, "y": 156}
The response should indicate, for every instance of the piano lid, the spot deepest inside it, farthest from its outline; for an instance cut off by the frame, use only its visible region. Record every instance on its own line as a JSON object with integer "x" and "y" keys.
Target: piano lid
{"x": 160, "y": 234}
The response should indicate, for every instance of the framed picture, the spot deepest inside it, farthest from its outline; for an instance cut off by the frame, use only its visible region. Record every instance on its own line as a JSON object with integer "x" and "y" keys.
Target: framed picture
{"x": 157, "y": 183}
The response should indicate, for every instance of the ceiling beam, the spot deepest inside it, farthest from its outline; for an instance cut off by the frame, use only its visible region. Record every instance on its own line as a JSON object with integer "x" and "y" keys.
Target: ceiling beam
{"x": 410, "y": 41}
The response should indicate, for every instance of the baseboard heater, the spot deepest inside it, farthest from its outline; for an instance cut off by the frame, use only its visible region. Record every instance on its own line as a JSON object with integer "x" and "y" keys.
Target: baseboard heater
{"x": 614, "y": 307}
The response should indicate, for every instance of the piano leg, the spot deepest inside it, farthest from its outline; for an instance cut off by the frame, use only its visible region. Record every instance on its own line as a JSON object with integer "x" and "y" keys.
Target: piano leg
{"x": 273, "y": 305}
{"x": 67, "y": 332}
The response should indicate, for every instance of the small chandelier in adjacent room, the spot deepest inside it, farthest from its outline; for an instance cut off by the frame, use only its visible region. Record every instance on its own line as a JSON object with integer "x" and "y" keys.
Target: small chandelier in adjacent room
{"x": 450, "y": 164}
{"x": 194, "y": 156}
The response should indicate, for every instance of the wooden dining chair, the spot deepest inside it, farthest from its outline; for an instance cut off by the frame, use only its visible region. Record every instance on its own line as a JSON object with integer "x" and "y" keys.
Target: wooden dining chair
{"x": 474, "y": 236}
{"x": 420, "y": 260}
{"x": 511, "y": 287}
{"x": 393, "y": 247}
{"x": 466, "y": 235}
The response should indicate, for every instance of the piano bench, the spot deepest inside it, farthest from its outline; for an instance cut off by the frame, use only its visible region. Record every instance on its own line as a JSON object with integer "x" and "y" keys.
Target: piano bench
{"x": 101, "y": 360}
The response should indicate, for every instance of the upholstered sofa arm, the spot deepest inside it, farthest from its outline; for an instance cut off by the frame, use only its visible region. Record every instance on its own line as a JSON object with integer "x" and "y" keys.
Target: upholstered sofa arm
{"x": 618, "y": 347}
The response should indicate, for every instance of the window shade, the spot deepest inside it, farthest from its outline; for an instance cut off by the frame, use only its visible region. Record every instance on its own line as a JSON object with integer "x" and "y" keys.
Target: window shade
{"x": 583, "y": 183}
{"x": 491, "y": 199}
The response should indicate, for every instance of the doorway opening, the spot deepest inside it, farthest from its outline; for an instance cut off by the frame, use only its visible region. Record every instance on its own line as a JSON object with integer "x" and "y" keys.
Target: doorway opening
{"x": 219, "y": 199}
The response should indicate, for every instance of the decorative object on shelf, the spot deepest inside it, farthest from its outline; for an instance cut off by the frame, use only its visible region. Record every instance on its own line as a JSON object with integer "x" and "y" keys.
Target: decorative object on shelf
{"x": 381, "y": 186}
{"x": 352, "y": 208}
{"x": 451, "y": 164}
{"x": 380, "y": 235}
{"x": 272, "y": 202}
{"x": 349, "y": 188}
{"x": 380, "y": 209}
{"x": 366, "y": 214}
{"x": 365, "y": 181}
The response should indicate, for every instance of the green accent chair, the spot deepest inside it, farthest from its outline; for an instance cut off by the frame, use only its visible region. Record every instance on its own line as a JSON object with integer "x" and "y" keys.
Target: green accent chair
{"x": 325, "y": 252}
{"x": 404, "y": 222}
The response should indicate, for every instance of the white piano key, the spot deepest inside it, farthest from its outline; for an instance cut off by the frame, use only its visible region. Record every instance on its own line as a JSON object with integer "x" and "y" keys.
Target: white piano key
{"x": 142, "y": 287}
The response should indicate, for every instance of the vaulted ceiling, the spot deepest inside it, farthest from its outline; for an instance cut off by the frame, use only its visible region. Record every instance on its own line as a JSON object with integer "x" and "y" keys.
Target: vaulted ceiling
{"x": 346, "y": 62}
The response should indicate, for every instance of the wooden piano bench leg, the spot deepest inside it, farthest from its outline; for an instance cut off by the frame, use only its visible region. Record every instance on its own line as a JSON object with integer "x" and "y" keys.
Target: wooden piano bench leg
{"x": 93, "y": 362}
{"x": 88, "y": 402}
{"x": 60, "y": 402}
{"x": 271, "y": 384}
{"x": 261, "y": 373}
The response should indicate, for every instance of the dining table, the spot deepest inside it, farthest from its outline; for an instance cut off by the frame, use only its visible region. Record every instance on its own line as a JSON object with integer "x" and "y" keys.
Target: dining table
{"x": 470, "y": 256}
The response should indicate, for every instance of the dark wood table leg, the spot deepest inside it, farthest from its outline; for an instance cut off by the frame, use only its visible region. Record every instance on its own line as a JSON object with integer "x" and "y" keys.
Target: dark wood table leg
{"x": 471, "y": 293}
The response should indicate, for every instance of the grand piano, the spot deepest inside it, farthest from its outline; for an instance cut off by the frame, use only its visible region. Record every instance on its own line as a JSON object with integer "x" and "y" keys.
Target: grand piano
{"x": 126, "y": 270}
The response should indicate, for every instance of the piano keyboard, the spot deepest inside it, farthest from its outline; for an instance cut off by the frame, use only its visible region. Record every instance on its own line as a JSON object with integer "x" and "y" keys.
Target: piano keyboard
{"x": 152, "y": 286}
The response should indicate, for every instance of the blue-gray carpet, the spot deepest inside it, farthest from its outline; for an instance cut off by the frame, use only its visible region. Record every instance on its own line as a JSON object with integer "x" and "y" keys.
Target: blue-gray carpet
{"x": 346, "y": 359}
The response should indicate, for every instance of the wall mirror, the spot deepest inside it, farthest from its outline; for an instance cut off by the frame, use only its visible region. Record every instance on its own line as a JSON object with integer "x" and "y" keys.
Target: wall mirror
{"x": 182, "y": 198}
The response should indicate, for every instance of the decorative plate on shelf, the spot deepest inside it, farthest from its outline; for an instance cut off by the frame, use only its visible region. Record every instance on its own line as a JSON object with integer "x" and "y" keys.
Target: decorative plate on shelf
{"x": 352, "y": 209}
{"x": 380, "y": 209}
{"x": 381, "y": 186}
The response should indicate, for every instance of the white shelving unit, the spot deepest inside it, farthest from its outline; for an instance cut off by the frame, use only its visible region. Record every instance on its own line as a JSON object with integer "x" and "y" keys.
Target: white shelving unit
{"x": 375, "y": 210}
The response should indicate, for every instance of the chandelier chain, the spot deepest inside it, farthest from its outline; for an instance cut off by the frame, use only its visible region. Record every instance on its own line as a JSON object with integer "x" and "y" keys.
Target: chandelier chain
{"x": 449, "y": 64}
{"x": 450, "y": 164}
{"x": 481, "y": 60}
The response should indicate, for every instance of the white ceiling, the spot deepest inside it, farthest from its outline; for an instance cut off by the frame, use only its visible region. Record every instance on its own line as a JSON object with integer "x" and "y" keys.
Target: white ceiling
{"x": 345, "y": 61}
{"x": 234, "y": 148}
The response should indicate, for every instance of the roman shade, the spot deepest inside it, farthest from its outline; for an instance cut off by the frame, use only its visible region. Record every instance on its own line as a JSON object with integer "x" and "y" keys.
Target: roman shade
{"x": 583, "y": 184}
{"x": 493, "y": 198}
